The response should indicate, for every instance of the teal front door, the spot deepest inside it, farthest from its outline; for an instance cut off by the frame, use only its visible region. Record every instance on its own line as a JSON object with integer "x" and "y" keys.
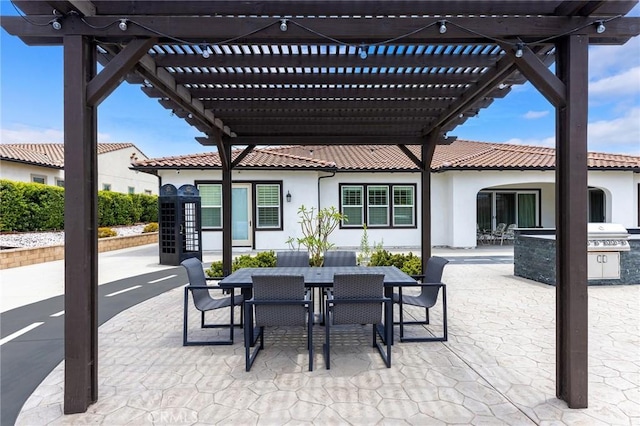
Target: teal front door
{"x": 241, "y": 218}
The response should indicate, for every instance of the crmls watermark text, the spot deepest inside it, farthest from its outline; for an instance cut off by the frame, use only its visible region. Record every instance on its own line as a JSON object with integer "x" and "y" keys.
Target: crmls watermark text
{"x": 173, "y": 417}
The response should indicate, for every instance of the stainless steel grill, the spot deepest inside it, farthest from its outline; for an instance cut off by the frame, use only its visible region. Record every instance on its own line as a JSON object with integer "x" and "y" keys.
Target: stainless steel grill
{"x": 607, "y": 237}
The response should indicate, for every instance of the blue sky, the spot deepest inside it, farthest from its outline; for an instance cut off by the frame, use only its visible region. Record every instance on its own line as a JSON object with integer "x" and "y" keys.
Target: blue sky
{"x": 31, "y": 99}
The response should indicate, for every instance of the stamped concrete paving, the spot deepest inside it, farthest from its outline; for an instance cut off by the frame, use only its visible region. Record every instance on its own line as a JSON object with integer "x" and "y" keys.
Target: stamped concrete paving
{"x": 498, "y": 367}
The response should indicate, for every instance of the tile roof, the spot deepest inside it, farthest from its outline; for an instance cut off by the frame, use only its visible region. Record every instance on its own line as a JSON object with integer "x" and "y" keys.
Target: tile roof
{"x": 48, "y": 154}
{"x": 460, "y": 155}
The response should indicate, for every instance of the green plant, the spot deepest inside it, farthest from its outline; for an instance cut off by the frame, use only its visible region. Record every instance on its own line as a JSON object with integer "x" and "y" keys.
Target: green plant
{"x": 265, "y": 259}
{"x": 150, "y": 227}
{"x": 316, "y": 228}
{"x": 408, "y": 263}
{"x": 365, "y": 249}
{"x": 105, "y": 232}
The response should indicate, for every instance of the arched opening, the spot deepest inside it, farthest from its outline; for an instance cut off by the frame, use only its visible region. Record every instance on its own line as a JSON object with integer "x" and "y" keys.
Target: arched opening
{"x": 597, "y": 205}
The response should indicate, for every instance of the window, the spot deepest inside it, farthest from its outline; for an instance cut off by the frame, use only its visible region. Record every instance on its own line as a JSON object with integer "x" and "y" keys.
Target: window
{"x": 60, "y": 182}
{"x": 211, "y": 199}
{"x": 521, "y": 207}
{"x": 268, "y": 205}
{"x": 147, "y": 192}
{"x": 352, "y": 205}
{"x": 39, "y": 179}
{"x": 403, "y": 205}
{"x": 383, "y": 206}
{"x": 131, "y": 190}
{"x": 106, "y": 187}
{"x": 378, "y": 205}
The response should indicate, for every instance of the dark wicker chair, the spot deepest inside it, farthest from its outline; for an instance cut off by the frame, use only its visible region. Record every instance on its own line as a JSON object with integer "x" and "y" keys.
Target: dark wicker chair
{"x": 430, "y": 285}
{"x": 340, "y": 258}
{"x": 292, "y": 258}
{"x": 203, "y": 302}
{"x": 358, "y": 299}
{"x": 278, "y": 300}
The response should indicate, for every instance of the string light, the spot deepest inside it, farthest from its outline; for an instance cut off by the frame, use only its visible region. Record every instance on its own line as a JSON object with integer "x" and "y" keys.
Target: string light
{"x": 56, "y": 24}
{"x": 600, "y": 28}
{"x": 519, "y": 50}
{"x": 443, "y": 27}
{"x": 206, "y": 51}
{"x": 123, "y": 25}
{"x": 362, "y": 52}
{"x": 283, "y": 25}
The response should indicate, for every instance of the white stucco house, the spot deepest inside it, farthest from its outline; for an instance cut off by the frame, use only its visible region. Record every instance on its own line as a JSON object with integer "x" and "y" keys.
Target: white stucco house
{"x": 474, "y": 185}
{"x": 44, "y": 163}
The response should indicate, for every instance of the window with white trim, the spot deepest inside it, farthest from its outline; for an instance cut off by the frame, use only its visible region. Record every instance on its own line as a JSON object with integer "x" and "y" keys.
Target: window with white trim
{"x": 352, "y": 202}
{"x": 268, "y": 206}
{"x": 131, "y": 190}
{"x": 378, "y": 205}
{"x": 211, "y": 205}
{"x": 404, "y": 205}
{"x": 383, "y": 206}
{"x": 106, "y": 187}
{"x": 60, "y": 182}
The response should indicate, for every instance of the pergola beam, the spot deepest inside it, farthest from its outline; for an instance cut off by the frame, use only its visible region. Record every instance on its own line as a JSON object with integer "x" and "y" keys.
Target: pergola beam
{"x": 101, "y": 86}
{"x": 359, "y": 31}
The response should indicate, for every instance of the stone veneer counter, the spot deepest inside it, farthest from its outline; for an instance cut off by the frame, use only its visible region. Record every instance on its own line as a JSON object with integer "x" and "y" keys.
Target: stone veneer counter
{"x": 534, "y": 257}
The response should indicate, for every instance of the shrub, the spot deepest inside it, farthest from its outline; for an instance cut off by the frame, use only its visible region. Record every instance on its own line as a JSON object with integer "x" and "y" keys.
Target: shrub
{"x": 150, "y": 227}
{"x": 106, "y": 232}
{"x": 265, "y": 259}
{"x": 36, "y": 207}
{"x": 408, "y": 263}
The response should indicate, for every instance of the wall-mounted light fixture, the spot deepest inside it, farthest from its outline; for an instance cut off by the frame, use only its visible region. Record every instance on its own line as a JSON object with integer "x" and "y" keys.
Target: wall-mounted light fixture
{"x": 288, "y": 197}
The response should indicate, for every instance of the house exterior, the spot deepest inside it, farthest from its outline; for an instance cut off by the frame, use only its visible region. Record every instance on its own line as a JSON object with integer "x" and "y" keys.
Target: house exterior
{"x": 474, "y": 185}
{"x": 44, "y": 163}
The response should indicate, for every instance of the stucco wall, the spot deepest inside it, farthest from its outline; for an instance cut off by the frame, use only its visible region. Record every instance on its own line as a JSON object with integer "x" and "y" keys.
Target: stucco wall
{"x": 21, "y": 172}
{"x": 453, "y": 202}
{"x": 113, "y": 168}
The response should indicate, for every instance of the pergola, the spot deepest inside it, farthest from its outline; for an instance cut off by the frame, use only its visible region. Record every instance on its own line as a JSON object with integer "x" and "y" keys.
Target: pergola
{"x": 285, "y": 72}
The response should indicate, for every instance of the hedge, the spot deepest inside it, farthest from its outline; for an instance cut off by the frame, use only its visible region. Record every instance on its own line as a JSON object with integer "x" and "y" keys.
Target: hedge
{"x": 28, "y": 207}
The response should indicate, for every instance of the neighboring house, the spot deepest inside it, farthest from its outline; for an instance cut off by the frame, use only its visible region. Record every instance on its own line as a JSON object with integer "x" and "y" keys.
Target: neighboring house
{"x": 474, "y": 184}
{"x": 44, "y": 163}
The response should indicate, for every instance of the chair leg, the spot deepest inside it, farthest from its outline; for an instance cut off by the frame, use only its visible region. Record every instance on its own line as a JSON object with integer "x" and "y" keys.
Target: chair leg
{"x": 327, "y": 337}
{"x": 310, "y": 337}
{"x": 185, "y": 340}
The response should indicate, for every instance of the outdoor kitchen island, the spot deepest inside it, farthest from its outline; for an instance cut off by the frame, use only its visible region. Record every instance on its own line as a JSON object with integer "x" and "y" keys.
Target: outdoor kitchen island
{"x": 613, "y": 254}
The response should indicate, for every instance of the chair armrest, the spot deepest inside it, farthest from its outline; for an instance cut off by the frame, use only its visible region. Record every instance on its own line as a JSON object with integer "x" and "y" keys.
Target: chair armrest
{"x": 278, "y": 302}
{"x": 203, "y": 287}
{"x": 360, "y": 300}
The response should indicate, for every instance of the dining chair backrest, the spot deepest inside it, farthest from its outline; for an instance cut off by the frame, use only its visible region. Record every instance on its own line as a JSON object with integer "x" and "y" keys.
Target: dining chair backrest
{"x": 292, "y": 258}
{"x": 340, "y": 258}
{"x": 435, "y": 267}
{"x": 279, "y": 288}
{"x": 358, "y": 286}
{"x": 195, "y": 273}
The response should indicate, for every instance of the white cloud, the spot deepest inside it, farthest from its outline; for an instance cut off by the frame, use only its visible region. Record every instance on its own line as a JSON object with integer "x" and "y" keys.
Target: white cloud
{"x": 25, "y": 134}
{"x": 625, "y": 84}
{"x": 547, "y": 142}
{"x": 532, "y": 115}
{"x": 619, "y": 135}
{"x": 607, "y": 60}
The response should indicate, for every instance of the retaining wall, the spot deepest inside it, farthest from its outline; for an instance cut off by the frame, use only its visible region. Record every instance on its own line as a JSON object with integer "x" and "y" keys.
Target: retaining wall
{"x": 13, "y": 258}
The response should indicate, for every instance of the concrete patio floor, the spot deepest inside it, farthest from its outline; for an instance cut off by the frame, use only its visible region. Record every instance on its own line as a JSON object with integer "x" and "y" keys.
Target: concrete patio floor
{"x": 498, "y": 367}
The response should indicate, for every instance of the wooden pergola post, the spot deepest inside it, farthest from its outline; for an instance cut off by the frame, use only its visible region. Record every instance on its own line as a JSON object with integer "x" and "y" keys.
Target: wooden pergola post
{"x": 80, "y": 224}
{"x": 571, "y": 224}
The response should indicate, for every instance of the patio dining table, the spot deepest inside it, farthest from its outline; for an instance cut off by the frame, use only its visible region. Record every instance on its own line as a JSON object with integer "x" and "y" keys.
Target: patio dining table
{"x": 317, "y": 277}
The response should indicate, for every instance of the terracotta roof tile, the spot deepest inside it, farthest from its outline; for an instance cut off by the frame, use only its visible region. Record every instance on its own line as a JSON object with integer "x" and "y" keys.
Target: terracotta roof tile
{"x": 460, "y": 155}
{"x": 48, "y": 154}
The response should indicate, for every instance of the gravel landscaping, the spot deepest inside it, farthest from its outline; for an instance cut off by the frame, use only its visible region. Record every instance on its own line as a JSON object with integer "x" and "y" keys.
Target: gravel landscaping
{"x": 43, "y": 239}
